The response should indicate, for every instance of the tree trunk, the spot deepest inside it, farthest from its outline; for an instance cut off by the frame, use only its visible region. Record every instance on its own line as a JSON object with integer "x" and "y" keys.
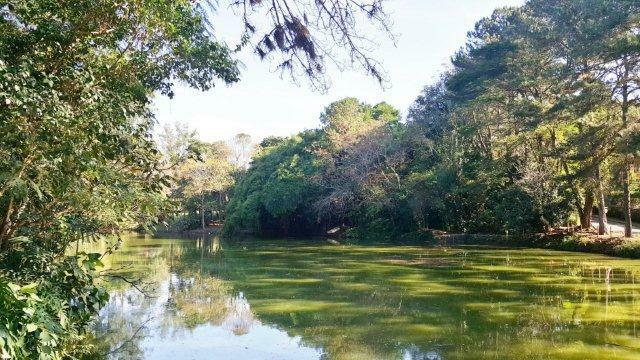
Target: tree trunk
{"x": 202, "y": 212}
{"x": 587, "y": 211}
{"x": 4, "y": 227}
{"x": 626, "y": 176}
{"x": 202, "y": 218}
{"x": 626, "y": 200}
{"x": 602, "y": 210}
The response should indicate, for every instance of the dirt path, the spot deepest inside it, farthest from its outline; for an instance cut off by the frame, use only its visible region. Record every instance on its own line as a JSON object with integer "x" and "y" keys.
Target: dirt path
{"x": 617, "y": 226}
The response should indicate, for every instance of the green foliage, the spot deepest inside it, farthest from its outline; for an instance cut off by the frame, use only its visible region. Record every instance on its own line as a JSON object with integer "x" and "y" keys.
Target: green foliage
{"x": 520, "y": 124}
{"x": 202, "y": 186}
{"x": 77, "y": 160}
{"x": 345, "y": 174}
{"x": 509, "y": 140}
{"x": 275, "y": 194}
{"x": 46, "y": 319}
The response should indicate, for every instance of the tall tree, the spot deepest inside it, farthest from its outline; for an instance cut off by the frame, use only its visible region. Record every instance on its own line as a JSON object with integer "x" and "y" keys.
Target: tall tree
{"x": 241, "y": 148}
{"x": 598, "y": 43}
{"x": 206, "y": 181}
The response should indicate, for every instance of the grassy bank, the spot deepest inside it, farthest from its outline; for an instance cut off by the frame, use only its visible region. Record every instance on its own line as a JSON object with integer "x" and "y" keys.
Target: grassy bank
{"x": 579, "y": 242}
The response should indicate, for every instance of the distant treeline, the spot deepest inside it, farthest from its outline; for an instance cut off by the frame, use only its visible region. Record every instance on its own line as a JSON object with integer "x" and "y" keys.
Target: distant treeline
{"x": 533, "y": 126}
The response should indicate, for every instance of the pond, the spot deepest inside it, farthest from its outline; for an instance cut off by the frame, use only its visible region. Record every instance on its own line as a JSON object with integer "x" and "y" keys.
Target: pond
{"x": 295, "y": 299}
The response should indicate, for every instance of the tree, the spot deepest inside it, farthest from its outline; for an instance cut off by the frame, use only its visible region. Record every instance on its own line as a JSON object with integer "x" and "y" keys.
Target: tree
{"x": 346, "y": 173}
{"x": 176, "y": 142}
{"x": 66, "y": 127}
{"x": 598, "y": 43}
{"x": 242, "y": 148}
{"x": 77, "y": 159}
{"x": 542, "y": 84}
{"x": 205, "y": 181}
{"x": 274, "y": 196}
{"x": 361, "y": 157}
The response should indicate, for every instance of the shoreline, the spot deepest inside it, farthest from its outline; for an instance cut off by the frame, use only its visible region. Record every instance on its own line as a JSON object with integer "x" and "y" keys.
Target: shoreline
{"x": 577, "y": 242}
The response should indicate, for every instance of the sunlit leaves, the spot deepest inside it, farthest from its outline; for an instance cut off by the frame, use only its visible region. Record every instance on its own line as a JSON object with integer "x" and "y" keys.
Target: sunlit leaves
{"x": 76, "y": 158}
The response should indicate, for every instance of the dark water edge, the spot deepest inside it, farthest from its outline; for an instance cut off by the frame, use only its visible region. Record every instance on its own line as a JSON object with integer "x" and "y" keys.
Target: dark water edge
{"x": 612, "y": 246}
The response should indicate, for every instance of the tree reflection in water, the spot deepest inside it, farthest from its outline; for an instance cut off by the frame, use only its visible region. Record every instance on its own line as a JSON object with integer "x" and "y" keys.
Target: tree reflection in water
{"x": 239, "y": 318}
{"x": 182, "y": 300}
{"x": 304, "y": 299}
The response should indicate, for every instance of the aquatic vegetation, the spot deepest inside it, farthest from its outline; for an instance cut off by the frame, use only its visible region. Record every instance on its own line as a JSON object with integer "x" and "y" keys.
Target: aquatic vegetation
{"x": 389, "y": 301}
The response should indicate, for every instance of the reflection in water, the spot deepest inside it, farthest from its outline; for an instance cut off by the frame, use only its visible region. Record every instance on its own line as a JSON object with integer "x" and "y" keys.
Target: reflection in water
{"x": 186, "y": 314}
{"x": 239, "y": 316}
{"x": 304, "y": 300}
{"x": 414, "y": 353}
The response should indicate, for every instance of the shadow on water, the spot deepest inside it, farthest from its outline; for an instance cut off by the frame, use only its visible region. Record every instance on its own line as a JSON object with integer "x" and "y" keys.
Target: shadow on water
{"x": 257, "y": 299}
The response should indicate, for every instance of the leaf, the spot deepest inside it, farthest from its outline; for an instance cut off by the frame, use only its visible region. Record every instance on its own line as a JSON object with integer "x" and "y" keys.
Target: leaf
{"x": 37, "y": 190}
{"x": 45, "y": 336}
{"x": 19, "y": 240}
{"x": 29, "y": 311}
{"x": 63, "y": 318}
{"x": 31, "y": 327}
{"x": 29, "y": 289}
{"x": 14, "y": 287}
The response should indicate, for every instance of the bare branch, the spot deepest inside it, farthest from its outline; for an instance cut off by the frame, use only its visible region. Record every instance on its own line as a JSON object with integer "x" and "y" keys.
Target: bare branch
{"x": 303, "y": 34}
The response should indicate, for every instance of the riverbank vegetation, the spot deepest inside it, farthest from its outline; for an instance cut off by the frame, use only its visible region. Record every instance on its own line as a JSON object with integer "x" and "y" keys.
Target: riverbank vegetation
{"x": 77, "y": 157}
{"x": 202, "y": 174}
{"x": 533, "y": 126}
{"x": 77, "y": 161}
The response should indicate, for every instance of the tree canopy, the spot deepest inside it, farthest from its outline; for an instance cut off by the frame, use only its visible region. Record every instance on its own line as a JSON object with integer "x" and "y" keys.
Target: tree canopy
{"x": 534, "y": 123}
{"x": 77, "y": 158}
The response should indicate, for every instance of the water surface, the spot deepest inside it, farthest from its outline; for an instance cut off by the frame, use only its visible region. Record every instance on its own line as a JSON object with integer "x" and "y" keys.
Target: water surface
{"x": 291, "y": 299}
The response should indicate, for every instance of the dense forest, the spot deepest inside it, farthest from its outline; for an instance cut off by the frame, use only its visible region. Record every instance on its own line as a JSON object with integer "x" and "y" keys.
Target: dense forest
{"x": 534, "y": 125}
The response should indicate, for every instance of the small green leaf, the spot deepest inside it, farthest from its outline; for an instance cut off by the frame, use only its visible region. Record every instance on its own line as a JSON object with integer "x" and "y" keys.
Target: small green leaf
{"x": 29, "y": 289}
{"x": 31, "y": 327}
{"x": 29, "y": 311}
{"x": 45, "y": 336}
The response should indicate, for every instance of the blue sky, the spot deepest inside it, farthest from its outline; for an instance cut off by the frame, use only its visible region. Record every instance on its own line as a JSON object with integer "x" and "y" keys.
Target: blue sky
{"x": 262, "y": 103}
